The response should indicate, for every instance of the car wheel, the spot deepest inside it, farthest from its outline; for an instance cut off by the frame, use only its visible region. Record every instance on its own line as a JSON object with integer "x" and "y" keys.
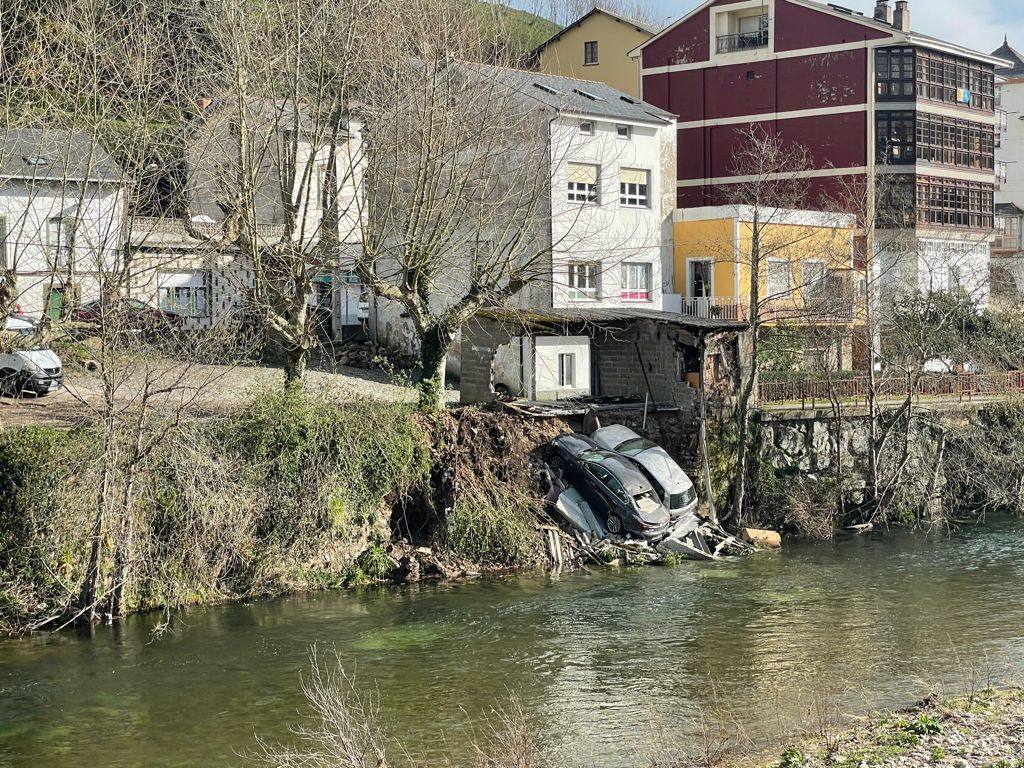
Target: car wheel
{"x": 8, "y": 382}
{"x": 614, "y": 525}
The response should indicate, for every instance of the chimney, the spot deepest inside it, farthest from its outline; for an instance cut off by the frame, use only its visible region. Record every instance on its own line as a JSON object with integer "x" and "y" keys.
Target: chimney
{"x": 883, "y": 12}
{"x": 902, "y": 19}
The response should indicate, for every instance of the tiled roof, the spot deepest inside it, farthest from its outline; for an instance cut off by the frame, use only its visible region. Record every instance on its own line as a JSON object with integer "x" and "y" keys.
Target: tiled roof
{"x": 1008, "y": 52}
{"x": 585, "y": 97}
{"x": 54, "y": 155}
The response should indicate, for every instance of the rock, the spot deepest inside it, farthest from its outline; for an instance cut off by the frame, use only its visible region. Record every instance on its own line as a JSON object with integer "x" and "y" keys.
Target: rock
{"x": 761, "y": 539}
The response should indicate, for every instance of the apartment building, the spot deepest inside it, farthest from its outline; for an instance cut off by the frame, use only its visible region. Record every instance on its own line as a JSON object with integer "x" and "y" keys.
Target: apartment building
{"x": 877, "y": 105}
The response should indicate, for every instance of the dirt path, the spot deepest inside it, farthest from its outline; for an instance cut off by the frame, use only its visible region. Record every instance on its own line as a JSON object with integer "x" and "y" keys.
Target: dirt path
{"x": 202, "y": 390}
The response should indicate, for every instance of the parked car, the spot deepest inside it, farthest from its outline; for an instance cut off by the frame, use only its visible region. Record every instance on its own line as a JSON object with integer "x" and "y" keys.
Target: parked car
{"x": 674, "y": 486}
{"x": 27, "y": 365}
{"x": 138, "y": 316}
{"x": 613, "y": 486}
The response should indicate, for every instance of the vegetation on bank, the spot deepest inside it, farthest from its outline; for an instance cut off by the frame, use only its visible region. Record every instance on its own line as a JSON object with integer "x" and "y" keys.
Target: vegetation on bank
{"x": 292, "y": 491}
{"x": 982, "y": 730}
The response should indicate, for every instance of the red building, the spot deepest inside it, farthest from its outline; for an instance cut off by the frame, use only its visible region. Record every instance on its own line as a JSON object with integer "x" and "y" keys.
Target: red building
{"x": 858, "y": 92}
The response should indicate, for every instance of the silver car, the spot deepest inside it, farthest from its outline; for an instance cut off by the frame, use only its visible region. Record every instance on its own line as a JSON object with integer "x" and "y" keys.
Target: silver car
{"x": 669, "y": 480}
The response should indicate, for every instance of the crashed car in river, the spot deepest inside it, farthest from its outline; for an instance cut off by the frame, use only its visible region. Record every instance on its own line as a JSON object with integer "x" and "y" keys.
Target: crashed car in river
{"x": 614, "y": 488}
{"x": 670, "y": 481}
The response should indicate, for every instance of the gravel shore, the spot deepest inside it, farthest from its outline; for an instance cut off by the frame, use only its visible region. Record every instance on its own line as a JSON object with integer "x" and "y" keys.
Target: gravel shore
{"x": 983, "y": 731}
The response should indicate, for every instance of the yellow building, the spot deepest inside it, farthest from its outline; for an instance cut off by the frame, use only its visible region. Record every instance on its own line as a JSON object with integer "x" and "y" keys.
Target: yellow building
{"x": 596, "y": 47}
{"x": 807, "y": 272}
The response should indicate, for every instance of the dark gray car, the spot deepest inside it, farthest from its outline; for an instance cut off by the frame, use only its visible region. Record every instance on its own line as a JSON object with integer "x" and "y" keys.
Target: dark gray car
{"x": 613, "y": 487}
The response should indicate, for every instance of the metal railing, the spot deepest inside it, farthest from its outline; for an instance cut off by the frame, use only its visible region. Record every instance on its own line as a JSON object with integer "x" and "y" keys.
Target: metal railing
{"x": 711, "y": 308}
{"x": 744, "y": 41}
{"x": 810, "y": 392}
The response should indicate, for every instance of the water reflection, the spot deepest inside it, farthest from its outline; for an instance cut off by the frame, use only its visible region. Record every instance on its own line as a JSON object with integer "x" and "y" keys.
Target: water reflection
{"x": 599, "y": 661}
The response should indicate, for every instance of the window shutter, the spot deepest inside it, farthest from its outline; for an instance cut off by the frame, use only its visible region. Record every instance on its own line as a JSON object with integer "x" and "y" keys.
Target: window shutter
{"x": 581, "y": 173}
{"x": 632, "y": 176}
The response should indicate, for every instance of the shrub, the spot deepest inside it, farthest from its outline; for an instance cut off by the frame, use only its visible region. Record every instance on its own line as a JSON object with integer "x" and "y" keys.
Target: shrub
{"x": 486, "y": 533}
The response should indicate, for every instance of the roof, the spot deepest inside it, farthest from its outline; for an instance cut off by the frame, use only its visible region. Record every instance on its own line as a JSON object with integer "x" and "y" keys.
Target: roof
{"x": 597, "y": 9}
{"x": 578, "y": 97}
{"x": 1011, "y": 54}
{"x": 1008, "y": 209}
{"x": 608, "y": 316}
{"x": 55, "y": 155}
{"x": 911, "y": 38}
{"x": 282, "y": 113}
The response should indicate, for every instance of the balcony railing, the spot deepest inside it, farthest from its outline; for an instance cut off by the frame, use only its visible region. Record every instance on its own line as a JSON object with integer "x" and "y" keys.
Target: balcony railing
{"x": 744, "y": 41}
{"x": 709, "y": 308}
{"x": 830, "y": 310}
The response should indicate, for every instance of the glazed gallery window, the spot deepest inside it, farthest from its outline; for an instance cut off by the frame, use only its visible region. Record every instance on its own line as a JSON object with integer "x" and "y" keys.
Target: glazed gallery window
{"x": 633, "y": 188}
{"x": 780, "y": 278}
{"x": 567, "y": 369}
{"x": 582, "y": 182}
{"x": 636, "y": 282}
{"x": 590, "y": 52}
{"x": 895, "y": 72}
{"x": 583, "y": 279}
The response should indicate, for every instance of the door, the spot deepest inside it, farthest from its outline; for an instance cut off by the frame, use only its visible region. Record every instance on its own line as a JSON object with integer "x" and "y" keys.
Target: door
{"x": 698, "y": 287}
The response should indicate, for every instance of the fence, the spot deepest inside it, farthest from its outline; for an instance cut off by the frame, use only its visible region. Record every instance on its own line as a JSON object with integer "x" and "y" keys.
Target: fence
{"x": 810, "y": 392}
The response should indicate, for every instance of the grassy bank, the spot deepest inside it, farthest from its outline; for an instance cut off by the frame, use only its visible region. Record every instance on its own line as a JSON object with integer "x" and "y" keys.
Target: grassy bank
{"x": 984, "y": 730}
{"x": 290, "y": 492}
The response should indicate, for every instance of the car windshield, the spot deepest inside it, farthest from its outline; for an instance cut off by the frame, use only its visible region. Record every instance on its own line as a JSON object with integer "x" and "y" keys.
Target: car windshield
{"x": 635, "y": 446}
{"x": 682, "y": 500}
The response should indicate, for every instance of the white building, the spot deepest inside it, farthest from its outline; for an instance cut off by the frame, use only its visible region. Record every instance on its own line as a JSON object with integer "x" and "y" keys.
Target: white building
{"x": 1008, "y": 248}
{"x": 608, "y": 226}
{"x": 211, "y": 284}
{"x": 61, "y": 217}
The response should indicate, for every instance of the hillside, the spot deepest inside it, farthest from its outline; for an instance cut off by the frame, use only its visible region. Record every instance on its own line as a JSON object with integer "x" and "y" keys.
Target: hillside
{"x": 523, "y": 29}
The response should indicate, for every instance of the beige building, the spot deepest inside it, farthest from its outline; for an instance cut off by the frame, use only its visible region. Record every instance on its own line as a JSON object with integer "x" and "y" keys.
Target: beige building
{"x": 595, "y": 47}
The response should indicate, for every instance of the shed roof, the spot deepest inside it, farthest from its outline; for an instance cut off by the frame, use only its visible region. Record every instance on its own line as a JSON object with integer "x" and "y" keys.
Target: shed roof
{"x": 604, "y": 316}
{"x": 54, "y": 154}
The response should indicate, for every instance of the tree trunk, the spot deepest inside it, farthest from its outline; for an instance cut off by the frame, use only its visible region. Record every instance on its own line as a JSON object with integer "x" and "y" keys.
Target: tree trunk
{"x": 295, "y": 366}
{"x": 433, "y": 354}
{"x": 702, "y": 346}
{"x": 748, "y": 388}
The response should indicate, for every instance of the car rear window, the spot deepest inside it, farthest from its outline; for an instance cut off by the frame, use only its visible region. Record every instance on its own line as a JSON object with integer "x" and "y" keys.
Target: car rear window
{"x": 635, "y": 446}
{"x": 682, "y": 500}
{"x": 647, "y": 502}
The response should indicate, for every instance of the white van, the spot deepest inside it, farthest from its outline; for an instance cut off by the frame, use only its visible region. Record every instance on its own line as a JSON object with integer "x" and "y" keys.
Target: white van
{"x": 33, "y": 368}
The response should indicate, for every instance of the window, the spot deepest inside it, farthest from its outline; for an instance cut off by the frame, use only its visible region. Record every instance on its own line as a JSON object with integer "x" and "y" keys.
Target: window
{"x": 780, "y": 278}
{"x": 582, "y": 182}
{"x": 636, "y": 282}
{"x": 954, "y": 203}
{"x": 748, "y": 32}
{"x": 895, "y": 136}
{"x": 184, "y": 293}
{"x": 583, "y": 279}
{"x": 567, "y": 369}
{"x": 60, "y": 239}
{"x": 624, "y": 132}
{"x": 590, "y": 52}
{"x": 954, "y": 80}
{"x": 700, "y": 279}
{"x": 1008, "y": 230}
{"x": 4, "y": 256}
{"x": 633, "y": 188}
{"x": 587, "y": 128}
{"x": 951, "y": 141}
{"x": 815, "y": 279}
{"x": 895, "y": 73}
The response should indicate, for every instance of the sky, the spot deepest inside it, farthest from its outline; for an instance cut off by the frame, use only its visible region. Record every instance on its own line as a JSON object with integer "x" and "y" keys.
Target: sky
{"x": 978, "y": 24}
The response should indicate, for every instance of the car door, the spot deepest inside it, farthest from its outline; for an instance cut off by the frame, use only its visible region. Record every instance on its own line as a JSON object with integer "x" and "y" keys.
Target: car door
{"x": 610, "y": 489}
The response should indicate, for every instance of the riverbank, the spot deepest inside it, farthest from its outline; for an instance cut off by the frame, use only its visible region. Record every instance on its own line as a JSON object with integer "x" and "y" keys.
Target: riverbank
{"x": 982, "y": 730}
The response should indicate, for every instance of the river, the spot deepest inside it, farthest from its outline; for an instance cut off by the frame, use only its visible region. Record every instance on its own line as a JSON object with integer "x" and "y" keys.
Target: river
{"x": 603, "y": 664}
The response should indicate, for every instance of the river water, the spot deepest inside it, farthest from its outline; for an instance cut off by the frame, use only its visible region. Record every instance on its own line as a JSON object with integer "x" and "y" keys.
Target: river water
{"x": 603, "y": 664}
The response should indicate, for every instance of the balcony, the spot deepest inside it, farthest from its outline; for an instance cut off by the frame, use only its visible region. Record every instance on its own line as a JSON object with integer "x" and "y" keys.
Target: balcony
{"x": 834, "y": 309}
{"x": 743, "y": 41}
{"x": 710, "y": 308}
